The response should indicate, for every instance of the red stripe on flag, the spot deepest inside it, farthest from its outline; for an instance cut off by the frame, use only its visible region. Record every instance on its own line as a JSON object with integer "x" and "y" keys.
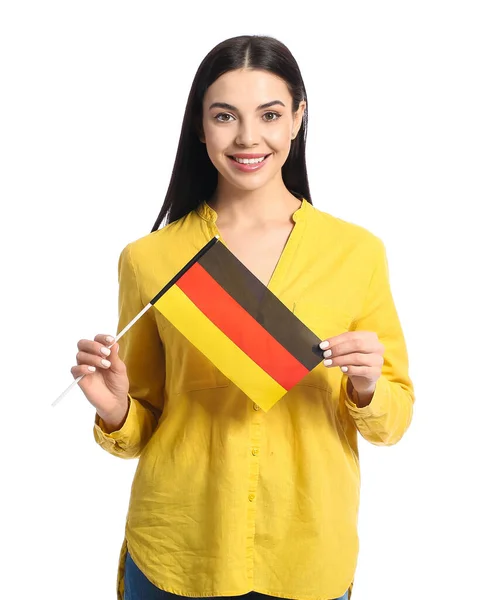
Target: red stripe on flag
{"x": 235, "y": 322}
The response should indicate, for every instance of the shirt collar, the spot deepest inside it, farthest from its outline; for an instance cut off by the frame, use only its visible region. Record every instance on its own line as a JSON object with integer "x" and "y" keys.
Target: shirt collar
{"x": 210, "y": 215}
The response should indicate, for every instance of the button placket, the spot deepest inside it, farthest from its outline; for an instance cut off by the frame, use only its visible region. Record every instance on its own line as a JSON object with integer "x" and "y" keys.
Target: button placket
{"x": 254, "y": 445}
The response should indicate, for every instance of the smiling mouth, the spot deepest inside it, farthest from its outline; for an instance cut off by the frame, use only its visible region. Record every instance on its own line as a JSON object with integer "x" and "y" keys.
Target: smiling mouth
{"x": 249, "y": 161}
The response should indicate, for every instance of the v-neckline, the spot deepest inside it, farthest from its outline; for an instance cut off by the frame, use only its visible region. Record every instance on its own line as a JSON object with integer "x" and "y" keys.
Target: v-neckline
{"x": 285, "y": 259}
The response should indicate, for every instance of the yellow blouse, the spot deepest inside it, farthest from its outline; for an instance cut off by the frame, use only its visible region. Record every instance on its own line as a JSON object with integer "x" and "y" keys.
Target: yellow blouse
{"x": 226, "y": 498}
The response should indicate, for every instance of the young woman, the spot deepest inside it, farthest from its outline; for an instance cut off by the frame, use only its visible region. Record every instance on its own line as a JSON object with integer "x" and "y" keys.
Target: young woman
{"x": 227, "y": 499}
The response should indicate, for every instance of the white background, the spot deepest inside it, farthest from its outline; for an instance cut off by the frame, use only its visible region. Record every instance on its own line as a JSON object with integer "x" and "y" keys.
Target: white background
{"x": 402, "y": 140}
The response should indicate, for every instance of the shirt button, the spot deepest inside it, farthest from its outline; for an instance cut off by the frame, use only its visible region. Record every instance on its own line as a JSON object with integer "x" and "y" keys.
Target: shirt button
{"x": 255, "y": 451}
{"x": 257, "y": 407}
{"x": 251, "y": 497}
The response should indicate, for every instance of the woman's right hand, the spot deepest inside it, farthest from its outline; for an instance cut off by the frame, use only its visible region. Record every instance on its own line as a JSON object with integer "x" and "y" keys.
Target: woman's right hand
{"x": 105, "y": 385}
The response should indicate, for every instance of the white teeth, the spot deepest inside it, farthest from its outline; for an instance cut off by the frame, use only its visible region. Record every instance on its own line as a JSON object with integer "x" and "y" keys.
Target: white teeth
{"x": 249, "y": 161}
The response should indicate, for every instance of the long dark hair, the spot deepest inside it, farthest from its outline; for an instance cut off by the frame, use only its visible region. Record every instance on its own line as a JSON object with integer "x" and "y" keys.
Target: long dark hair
{"x": 194, "y": 177}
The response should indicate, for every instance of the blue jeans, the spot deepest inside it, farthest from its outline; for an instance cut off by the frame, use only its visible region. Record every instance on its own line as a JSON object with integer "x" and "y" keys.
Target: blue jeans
{"x": 138, "y": 587}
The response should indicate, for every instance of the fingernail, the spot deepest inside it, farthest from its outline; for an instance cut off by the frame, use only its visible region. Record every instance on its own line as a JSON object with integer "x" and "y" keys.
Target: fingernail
{"x": 109, "y": 339}
{"x": 324, "y": 345}
{"x": 105, "y": 351}
{"x": 105, "y": 362}
{"x": 327, "y": 353}
{"x": 328, "y": 362}
{"x": 92, "y": 369}
{"x": 344, "y": 369}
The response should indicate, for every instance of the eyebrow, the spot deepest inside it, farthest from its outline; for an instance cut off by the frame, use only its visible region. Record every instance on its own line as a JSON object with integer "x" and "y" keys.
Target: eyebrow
{"x": 231, "y": 107}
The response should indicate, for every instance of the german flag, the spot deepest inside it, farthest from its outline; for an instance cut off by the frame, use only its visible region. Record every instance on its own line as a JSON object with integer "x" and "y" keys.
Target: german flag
{"x": 239, "y": 324}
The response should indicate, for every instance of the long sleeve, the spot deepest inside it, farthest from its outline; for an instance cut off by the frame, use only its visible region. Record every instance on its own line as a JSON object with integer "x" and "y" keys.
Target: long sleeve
{"x": 142, "y": 352}
{"x": 385, "y": 420}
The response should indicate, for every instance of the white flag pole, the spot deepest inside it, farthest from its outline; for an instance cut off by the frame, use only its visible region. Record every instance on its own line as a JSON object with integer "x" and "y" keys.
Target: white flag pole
{"x": 78, "y": 379}
{"x": 144, "y": 310}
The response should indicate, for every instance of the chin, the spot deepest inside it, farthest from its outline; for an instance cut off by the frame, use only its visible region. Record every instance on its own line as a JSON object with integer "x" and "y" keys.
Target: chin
{"x": 250, "y": 186}
{"x": 249, "y": 181}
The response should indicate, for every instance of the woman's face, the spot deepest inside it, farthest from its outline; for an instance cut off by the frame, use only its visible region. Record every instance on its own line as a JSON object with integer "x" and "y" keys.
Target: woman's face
{"x": 248, "y": 126}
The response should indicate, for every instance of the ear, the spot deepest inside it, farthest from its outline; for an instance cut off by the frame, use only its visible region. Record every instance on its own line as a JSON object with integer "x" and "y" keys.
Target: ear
{"x": 199, "y": 129}
{"x": 297, "y": 118}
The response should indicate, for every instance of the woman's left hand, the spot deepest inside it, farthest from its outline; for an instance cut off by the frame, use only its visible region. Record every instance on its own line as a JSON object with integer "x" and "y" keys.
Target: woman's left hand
{"x": 359, "y": 354}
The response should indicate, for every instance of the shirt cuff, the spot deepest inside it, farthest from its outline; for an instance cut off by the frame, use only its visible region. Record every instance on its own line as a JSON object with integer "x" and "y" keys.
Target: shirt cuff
{"x": 122, "y": 434}
{"x": 376, "y": 408}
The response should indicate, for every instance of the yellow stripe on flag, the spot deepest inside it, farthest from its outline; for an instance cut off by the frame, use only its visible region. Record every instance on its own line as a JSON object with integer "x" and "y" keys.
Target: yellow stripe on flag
{"x": 219, "y": 349}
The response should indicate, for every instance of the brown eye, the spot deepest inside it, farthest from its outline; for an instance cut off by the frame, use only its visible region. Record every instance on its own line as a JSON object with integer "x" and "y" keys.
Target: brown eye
{"x": 271, "y": 116}
{"x": 223, "y": 117}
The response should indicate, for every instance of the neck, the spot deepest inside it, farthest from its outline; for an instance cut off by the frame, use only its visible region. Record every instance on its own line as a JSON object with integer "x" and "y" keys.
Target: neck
{"x": 273, "y": 202}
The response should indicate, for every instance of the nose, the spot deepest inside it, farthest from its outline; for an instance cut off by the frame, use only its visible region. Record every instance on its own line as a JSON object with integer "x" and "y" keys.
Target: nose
{"x": 248, "y": 134}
